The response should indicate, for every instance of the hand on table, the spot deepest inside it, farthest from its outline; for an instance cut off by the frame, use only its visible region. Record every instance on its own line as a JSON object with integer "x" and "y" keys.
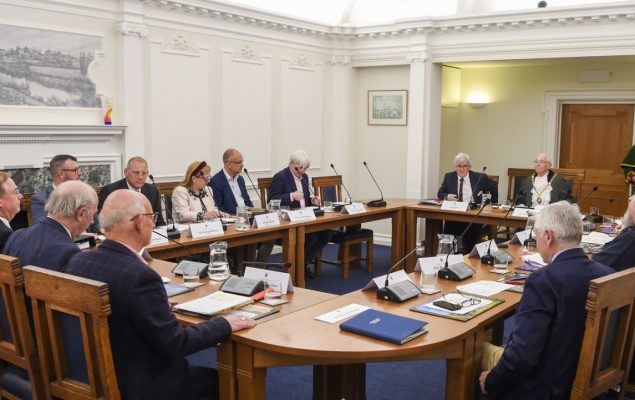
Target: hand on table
{"x": 239, "y": 323}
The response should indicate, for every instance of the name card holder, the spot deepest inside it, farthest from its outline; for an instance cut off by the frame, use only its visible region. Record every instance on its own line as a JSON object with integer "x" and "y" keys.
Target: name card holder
{"x": 264, "y": 274}
{"x": 521, "y": 212}
{"x": 303, "y": 214}
{"x": 354, "y": 208}
{"x": 207, "y": 228}
{"x": 160, "y": 237}
{"x": 436, "y": 262}
{"x": 266, "y": 220}
{"x": 448, "y": 205}
{"x": 480, "y": 249}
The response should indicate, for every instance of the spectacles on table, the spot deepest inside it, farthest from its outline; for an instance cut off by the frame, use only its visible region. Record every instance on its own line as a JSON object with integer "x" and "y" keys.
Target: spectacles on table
{"x": 466, "y": 302}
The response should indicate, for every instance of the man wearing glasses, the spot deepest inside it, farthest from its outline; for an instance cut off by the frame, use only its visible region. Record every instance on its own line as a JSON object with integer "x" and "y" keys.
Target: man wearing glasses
{"x": 63, "y": 167}
{"x": 9, "y": 206}
{"x": 541, "y": 355}
{"x": 545, "y": 186}
{"x": 50, "y": 243}
{"x": 148, "y": 344}
{"x": 135, "y": 177}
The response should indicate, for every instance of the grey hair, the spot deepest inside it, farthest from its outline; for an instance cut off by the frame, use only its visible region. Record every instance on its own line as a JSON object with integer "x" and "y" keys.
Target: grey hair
{"x": 111, "y": 216}
{"x": 563, "y": 219}
{"x": 57, "y": 163}
{"x": 136, "y": 159}
{"x": 301, "y": 158}
{"x": 69, "y": 197}
{"x": 461, "y": 157}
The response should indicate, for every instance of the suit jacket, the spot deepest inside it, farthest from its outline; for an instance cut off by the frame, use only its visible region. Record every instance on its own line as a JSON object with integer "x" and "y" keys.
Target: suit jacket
{"x": 541, "y": 356}
{"x": 619, "y": 253}
{"x": 283, "y": 184}
{"x": 38, "y": 201}
{"x": 46, "y": 244}
{"x": 560, "y": 189}
{"x": 5, "y": 232}
{"x": 223, "y": 195}
{"x": 148, "y": 344}
{"x": 450, "y": 186}
{"x": 148, "y": 190}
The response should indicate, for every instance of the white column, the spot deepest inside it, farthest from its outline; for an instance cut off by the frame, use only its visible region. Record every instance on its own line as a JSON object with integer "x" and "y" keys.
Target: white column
{"x": 131, "y": 100}
{"x": 337, "y": 114}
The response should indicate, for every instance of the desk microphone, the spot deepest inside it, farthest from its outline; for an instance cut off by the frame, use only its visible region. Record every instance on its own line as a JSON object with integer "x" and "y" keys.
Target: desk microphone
{"x": 375, "y": 203}
{"x": 252, "y": 185}
{"x": 594, "y": 189}
{"x": 350, "y": 198}
{"x": 473, "y": 204}
{"x": 178, "y": 269}
{"x": 488, "y": 258}
{"x": 400, "y": 291}
{"x": 172, "y": 232}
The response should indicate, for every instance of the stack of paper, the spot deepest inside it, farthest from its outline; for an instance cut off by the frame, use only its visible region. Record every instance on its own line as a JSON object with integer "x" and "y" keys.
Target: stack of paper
{"x": 213, "y": 304}
{"x": 483, "y": 288}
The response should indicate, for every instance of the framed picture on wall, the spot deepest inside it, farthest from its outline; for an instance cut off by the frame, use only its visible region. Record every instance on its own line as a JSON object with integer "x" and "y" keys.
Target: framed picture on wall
{"x": 388, "y": 107}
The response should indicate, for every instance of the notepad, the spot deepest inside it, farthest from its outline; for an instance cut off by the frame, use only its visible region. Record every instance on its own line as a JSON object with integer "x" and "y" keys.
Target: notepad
{"x": 213, "y": 304}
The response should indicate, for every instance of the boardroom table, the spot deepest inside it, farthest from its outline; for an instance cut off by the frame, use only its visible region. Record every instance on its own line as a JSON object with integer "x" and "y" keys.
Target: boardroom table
{"x": 339, "y": 358}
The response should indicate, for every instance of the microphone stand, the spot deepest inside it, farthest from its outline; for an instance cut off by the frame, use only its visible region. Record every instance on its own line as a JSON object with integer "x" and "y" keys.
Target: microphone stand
{"x": 488, "y": 258}
{"x": 172, "y": 232}
{"x": 317, "y": 211}
{"x": 252, "y": 185}
{"x": 400, "y": 291}
{"x": 375, "y": 203}
{"x": 473, "y": 204}
{"x": 350, "y": 198}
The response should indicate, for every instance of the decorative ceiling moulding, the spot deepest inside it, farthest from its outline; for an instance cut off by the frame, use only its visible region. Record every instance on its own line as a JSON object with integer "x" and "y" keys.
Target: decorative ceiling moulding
{"x": 507, "y": 21}
{"x": 133, "y": 29}
{"x": 246, "y": 55}
{"x": 180, "y": 46}
{"x": 300, "y": 62}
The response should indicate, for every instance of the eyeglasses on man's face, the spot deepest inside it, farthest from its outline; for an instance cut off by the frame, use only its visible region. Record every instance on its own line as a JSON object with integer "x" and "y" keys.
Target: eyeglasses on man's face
{"x": 75, "y": 170}
{"x": 240, "y": 162}
{"x": 541, "y": 162}
{"x": 154, "y": 216}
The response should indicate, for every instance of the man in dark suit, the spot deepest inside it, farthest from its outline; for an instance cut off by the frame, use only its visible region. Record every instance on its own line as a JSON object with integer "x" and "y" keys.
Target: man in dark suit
{"x": 619, "y": 253}
{"x": 63, "y": 167}
{"x": 541, "y": 356}
{"x": 9, "y": 206}
{"x": 135, "y": 176}
{"x": 466, "y": 186}
{"x": 291, "y": 187}
{"x": 49, "y": 244}
{"x": 148, "y": 344}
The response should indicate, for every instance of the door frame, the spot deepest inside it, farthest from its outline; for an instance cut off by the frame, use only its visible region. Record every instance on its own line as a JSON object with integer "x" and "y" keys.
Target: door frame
{"x": 554, "y": 99}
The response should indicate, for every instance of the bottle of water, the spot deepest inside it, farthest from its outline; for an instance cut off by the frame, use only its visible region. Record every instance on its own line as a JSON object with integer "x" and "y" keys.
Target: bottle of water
{"x": 218, "y": 265}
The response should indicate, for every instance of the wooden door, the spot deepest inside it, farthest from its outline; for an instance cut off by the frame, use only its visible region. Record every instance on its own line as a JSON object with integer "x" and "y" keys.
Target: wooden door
{"x": 596, "y": 137}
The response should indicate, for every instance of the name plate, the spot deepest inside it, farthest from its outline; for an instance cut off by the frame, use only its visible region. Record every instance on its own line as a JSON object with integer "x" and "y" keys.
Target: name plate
{"x": 481, "y": 248}
{"x": 437, "y": 262}
{"x": 395, "y": 277}
{"x": 266, "y": 220}
{"x": 207, "y": 228}
{"x": 354, "y": 208}
{"x": 265, "y": 274}
{"x": 520, "y": 237}
{"x": 303, "y": 214}
{"x": 160, "y": 237}
{"x": 454, "y": 205}
{"x": 521, "y": 212}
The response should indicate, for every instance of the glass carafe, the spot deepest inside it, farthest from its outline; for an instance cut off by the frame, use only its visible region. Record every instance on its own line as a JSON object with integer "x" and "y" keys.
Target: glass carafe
{"x": 447, "y": 244}
{"x": 218, "y": 264}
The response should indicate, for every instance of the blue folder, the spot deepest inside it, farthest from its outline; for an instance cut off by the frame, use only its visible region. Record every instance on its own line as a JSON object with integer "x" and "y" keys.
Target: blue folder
{"x": 385, "y": 326}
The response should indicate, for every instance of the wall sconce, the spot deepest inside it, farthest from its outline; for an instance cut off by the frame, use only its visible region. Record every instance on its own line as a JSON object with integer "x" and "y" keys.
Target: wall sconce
{"x": 476, "y": 105}
{"x": 477, "y": 101}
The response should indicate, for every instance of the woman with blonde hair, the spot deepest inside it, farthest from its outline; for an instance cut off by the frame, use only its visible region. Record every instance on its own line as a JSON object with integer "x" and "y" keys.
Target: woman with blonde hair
{"x": 192, "y": 200}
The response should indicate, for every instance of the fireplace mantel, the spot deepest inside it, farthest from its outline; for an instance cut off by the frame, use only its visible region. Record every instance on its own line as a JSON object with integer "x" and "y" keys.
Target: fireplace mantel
{"x": 59, "y": 133}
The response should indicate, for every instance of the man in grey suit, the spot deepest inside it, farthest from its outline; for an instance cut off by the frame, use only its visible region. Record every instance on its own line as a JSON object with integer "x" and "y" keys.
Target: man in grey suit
{"x": 9, "y": 206}
{"x": 63, "y": 167}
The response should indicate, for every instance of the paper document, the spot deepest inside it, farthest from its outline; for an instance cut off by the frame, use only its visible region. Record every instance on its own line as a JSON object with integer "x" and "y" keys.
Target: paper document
{"x": 341, "y": 313}
{"x": 535, "y": 259}
{"x": 215, "y": 303}
{"x": 597, "y": 238}
{"x": 483, "y": 288}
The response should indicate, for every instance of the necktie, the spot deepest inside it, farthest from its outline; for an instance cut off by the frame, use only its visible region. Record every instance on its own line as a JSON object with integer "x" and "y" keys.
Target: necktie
{"x": 461, "y": 189}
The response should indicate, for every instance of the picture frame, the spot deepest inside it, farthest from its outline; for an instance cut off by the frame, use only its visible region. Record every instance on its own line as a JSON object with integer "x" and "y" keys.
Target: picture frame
{"x": 388, "y": 107}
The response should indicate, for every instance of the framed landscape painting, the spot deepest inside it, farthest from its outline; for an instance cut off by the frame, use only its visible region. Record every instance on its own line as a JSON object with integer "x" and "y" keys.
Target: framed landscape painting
{"x": 388, "y": 107}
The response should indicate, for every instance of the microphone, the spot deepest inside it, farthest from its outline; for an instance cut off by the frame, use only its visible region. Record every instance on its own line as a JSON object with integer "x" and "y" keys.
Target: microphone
{"x": 473, "y": 204}
{"x": 252, "y": 185}
{"x": 350, "y": 198}
{"x": 375, "y": 203}
{"x": 400, "y": 291}
{"x": 173, "y": 233}
{"x": 488, "y": 258}
{"x": 595, "y": 218}
{"x": 317, "y": 211}
{"x": 594, "y": 189}
{"x": 178, "y": 269}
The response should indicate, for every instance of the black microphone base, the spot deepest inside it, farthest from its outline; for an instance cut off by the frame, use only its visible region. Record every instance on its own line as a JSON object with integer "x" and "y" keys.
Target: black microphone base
{"x": 318, "y": 212}
{"x": 530, "y": 242}
{"x": 488, "y": 259}
{"x": 376, "y": 203}
{"x": 398, "y": 292}
{"x": 595, "y": 218}
{"x": 173, "y": 233}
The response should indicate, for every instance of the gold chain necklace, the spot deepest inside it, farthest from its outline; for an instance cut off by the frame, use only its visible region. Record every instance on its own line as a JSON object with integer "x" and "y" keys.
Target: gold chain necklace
{"x": 548, "y": 185}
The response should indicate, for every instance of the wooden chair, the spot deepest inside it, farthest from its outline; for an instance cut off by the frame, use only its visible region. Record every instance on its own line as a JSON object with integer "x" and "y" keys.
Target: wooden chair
{"x": 607, "y": 347}
{"x": 349, "y": 239}
{"x": 263, "y": 187}
{"x": 71, "y": 324}
{"x": 21, "y": 376}
{"x": 516, "y": 177}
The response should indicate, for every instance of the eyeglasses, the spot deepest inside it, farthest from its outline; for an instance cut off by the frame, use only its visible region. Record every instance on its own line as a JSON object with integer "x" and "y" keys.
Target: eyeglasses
{"x": 241, "y": 162}
{"x": 206, "y": 178}
{"x": 541, "y": 162}
{"x": 154, "y": 216}
{"x": 462, "y": 166}
{"x": 75, "y": 170}
{"x": 466, "y": 301}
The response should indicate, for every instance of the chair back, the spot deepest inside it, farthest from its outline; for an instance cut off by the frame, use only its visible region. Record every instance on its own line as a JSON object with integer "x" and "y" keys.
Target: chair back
{"x": 71, "y": 324}
{"x": 517, "y": 176}
{"x": 575, "y": 177}
{"x": 16, "y": 338}
{"x": 328, "y": 187}
{"x": 263, "y": 187}
{"x": 607, "y": 347}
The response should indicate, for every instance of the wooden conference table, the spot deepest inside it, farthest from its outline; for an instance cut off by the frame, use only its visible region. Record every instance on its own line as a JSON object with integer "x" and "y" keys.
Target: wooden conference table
{"x": 339, "y": 358}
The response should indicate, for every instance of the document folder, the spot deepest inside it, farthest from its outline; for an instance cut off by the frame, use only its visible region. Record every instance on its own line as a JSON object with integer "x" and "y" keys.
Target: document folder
{"x": 384, "y": 326}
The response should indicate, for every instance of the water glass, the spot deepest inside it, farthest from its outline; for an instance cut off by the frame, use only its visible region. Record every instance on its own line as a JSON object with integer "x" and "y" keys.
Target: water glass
{"x": 446, "y": 244}
{"x": 328, "y": 206}
{"x": 218, "y": 264}
{"x": 190, "y": 275}
{"x": 500, "y": 267}
{"x": 594, "y": 211}
{"x": 273, "y": 289}
{"x": 274, "y": 207}
{"x": 428, "y": 281}
{"x": 486, "y": 197}
{"x": 242, "y": 218}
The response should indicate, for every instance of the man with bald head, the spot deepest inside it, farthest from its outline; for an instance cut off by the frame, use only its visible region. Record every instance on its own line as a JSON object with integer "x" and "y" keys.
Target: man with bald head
{"x": 9, "y": 206}
{"x": 148, "y": 344}
{"x": 50, "y": 243}
{"x": 228, "y": 186}
{"x": 545, "y": 186}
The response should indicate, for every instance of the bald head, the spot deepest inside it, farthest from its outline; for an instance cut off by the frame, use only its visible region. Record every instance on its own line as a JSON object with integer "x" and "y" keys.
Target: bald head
{"x": 73, "y": 203}
{"x": 542, "y": 164}
{"x": 127, "y": 217}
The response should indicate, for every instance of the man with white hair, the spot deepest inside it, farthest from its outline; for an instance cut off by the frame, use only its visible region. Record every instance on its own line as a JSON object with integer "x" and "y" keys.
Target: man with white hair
{"x": 619, "y": 253}
{"x": 541, "y": 356}
{"x": 50, "y": 243}
{"x": 291, "y": 187}
{"x": 148, "y": 344}
{"x": 545, "y": 186}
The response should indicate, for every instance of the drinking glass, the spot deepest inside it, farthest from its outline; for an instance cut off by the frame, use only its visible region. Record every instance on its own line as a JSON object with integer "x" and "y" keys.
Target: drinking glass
{"x": 274, "y": 206}
{"x": 218, "y": 264}
{"x": 428, "y": 281}
{"x": 273, "y": 289}
{"x": 190, "y": 275}
{"x": 242, "y": 218}
{"x": 484, "y": 198}
{"x": 328, "y": 206}
{"x": 446, "y": 244}
{"x": 500, "y": 267}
